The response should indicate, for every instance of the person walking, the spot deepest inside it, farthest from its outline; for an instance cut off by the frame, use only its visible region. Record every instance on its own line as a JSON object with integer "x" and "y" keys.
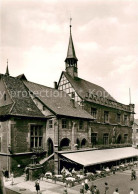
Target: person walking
{"x": 133, "y": 175}
{"x": 106, "y": 187}
{"x": 116, "y": 191}
{"x": 37, "y": 186}
{"x": 131, "y": 191}
{"x": 96, "y": 190}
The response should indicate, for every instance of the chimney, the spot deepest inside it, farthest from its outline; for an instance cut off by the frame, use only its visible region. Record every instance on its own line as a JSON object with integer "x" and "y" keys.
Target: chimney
{"x": 55, "y": 85}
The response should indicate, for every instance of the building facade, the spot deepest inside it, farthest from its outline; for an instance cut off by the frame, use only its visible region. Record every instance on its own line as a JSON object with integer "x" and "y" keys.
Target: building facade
{"x": 112, "y": 120}
{"x": 135, "y": 133}
{"x": 76, "y": 114}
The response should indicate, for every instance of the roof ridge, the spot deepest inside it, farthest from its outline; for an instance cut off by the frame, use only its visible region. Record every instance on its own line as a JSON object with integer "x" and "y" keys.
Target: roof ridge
{"x": 40, "y": 85}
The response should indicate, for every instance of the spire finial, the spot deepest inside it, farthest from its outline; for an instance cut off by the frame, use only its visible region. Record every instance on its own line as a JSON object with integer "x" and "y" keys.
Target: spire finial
{"x": 7, "y": 69}
{"x": 70, "y": 24}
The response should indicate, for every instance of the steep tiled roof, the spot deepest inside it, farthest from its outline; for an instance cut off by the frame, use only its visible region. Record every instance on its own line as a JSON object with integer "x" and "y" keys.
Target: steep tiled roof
{"x": 4, "y": 110}
{"x": 82, "y": 87}
{"x": 57, "y": 101}
{"x": 23, "y": 105}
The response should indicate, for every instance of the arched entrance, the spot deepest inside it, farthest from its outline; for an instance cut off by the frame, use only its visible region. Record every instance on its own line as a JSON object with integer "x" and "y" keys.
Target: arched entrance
{"x": 83, "y": 143}
{"x": 119, "y": 139}
{"x": 50, "y": 146}
{"x": 65, "y": 143}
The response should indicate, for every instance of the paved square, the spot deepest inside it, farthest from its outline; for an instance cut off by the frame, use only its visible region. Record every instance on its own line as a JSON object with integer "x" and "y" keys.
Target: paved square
{"x": 121, "y": 180}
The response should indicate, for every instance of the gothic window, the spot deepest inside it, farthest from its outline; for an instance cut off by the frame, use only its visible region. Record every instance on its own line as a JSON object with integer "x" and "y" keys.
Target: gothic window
{"x": 136, "y": 130}
{"x": 50, "y": 123}
{"x": 94, "y": 138}
{"x": 36, "y": 135}
{"x": 105, "y": 139}
{"x": 94, "y": 112}
{"x": 106, "y": 116}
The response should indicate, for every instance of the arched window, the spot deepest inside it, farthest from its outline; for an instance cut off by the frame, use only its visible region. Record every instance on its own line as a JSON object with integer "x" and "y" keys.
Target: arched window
{"x": 84, "y": 143}
{"x": 50, "y": 146}
{"x": 65, "y": 143}
{"x": 119, "y": 139}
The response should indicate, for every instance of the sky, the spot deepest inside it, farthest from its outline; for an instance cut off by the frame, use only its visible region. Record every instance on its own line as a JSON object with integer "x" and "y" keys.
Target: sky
{"x": 34, "y": 36}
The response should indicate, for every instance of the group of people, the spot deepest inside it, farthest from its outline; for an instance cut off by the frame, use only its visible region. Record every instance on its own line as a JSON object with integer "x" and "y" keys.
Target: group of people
{"x": 94, "y": 190}
{"x": 117, "y": 191}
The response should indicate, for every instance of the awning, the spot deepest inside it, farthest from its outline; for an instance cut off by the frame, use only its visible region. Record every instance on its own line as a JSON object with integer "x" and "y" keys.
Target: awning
{"x": 88, "y": 158}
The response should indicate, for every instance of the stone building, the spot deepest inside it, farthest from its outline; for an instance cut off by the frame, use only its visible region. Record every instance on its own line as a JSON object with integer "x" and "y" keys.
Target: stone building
{"x": 113, "y": 120}
{"x": 73, "y": 116}
{"x": 135, "y": 133}
{"x": 33, "y": 116}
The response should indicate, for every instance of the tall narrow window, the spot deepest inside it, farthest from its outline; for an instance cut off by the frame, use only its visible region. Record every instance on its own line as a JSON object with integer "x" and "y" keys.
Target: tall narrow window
{"x": 94, "y": 138}
{"x": 5, "y": 97}
{"x": 94, "y": 112}
{"x": 64, "y": 123}
{"x": 105, "y": 139}
{"x": 125, "y": 120}
{"x": 106, "y": 117}
{"x": 118, "y": 117}
{"x": 36, "y": 136}
{"x": 50, "y": 123}
{"x": 80, "y": 125}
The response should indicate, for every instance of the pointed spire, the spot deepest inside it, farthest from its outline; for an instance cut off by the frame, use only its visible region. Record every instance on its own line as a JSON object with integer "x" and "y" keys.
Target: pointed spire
{"x": 7, "y": 69}
{"x": 71, "y": 51}
{"x": 71, "y": 59}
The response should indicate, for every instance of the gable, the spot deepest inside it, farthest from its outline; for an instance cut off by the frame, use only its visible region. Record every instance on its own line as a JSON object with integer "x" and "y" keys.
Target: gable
{"x": 65, "y": 85}
{"x": 5, "y": 98}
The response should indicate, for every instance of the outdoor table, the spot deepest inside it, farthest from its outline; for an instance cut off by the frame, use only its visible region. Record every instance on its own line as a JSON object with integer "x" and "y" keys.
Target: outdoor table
{"x": 70, "y": 179}
{"x": 98, "y": 171}
{"x": 58, "y": 176}
{"x": 80, "y": 176}
{"x": 48, "y": 174}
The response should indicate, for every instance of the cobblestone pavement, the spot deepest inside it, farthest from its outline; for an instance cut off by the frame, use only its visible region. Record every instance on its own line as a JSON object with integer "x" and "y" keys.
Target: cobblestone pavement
{"x": 121, "y": 180}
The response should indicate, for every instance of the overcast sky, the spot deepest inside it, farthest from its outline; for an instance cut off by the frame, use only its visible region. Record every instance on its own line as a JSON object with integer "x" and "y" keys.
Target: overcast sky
{"x": 35, "y": 34}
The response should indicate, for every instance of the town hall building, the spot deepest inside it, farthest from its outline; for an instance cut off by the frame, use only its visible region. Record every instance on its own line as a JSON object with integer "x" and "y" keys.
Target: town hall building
{"x": 76, "y": 115}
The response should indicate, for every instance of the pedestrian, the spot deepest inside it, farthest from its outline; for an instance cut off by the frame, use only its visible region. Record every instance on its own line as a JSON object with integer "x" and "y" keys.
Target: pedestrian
{"x": 131, "y": 191}
{"x": 116, "y": 191}
{"x": 37, "y": 186}
{"x": 106, "y": 187}
{"x": 65, "y": 190}
{"x": 92, "y": 188}
{"x": 86, "y": 186}
{"x": 133, "y": 175}
{"x": 96, "y": 190}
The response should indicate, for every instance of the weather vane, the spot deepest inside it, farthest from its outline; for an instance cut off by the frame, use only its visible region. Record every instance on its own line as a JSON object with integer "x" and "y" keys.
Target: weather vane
{"x": 70, "y": 21}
